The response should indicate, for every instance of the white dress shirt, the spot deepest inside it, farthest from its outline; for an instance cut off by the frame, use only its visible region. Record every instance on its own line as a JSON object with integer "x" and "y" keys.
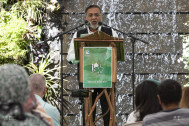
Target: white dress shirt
{"x": 71, "y": 51}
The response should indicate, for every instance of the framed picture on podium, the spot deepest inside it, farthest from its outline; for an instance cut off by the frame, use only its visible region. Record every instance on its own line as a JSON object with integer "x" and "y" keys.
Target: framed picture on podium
{"x": 97, "y": 67}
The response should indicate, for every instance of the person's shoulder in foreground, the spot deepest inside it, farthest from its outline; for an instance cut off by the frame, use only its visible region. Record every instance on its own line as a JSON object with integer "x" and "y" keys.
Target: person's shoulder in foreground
{"x": 14, "y": 94}
{"x": 169, "y": 95}
{"x": 38, "y": 85}
{"x": 176, "y": 117}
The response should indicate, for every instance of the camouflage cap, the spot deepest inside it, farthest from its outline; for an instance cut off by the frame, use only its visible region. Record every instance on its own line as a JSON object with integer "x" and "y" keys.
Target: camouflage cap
{"x": 14, "y": 83}
{"x": 30, "y": 120}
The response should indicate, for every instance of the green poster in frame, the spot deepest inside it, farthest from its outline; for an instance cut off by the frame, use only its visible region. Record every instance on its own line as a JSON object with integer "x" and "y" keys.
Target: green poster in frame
{"x": 97, "y": 67}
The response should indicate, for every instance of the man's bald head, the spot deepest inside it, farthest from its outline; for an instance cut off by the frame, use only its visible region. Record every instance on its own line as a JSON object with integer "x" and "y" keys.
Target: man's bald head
{"x": 37, "y": 83}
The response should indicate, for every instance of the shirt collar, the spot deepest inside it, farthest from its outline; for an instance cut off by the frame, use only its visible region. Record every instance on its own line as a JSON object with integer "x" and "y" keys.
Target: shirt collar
{"x": 38, "y": 96}
{"x": 170, "y": 110}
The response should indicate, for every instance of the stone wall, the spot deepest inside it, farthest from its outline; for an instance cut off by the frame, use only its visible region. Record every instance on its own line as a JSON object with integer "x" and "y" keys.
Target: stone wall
{"x": 159, "y": 22}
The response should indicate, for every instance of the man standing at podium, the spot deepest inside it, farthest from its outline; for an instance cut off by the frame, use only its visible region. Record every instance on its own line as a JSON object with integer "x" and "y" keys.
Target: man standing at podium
{"x": 93, "y": 16}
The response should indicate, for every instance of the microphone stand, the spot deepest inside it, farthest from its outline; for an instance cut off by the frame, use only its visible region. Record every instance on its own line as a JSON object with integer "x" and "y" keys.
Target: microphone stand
{"x": 133, "y": 40}
{"x": 52, "y": 38}
{"x": 133, "y": 37}
{"x": 61, "y": 61}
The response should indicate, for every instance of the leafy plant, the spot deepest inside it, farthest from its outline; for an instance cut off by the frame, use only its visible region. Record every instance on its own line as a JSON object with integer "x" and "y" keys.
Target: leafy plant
{"x": 53, "y": 5}
{"x": 13, "y": 46}
{"x": 21, "y": 26}
{"x": 30, "y": 10}
{"x": 8, "y": 3}
{"x": 53, "y": 86}
{"x": 47, "y": 72}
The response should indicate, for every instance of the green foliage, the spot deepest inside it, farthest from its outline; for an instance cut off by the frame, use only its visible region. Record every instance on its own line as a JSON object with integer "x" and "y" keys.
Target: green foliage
{"x": 19, "y": 26}
{"x": 53, "y": 5}
{"x": 7, "y": 1}
{"x": 30, "y": 10}
{"x": 12, "y": 43}
{"x": 52, "y": 82}
{"x": 44, "y": 69}
{"x": 4, "y": 1}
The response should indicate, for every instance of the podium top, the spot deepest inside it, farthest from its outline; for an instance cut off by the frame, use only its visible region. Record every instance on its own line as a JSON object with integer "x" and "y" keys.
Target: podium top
{"x": 100, "y": 39}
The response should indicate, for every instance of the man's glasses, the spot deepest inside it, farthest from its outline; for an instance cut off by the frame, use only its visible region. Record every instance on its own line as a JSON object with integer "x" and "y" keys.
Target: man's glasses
{"x": 91, "y": 15}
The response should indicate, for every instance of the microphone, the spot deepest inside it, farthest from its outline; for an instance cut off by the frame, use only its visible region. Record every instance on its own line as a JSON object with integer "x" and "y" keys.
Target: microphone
{"x": 80, "y": 93}
{"x": 87, "y": 23}
{"x": 100, "y": 23}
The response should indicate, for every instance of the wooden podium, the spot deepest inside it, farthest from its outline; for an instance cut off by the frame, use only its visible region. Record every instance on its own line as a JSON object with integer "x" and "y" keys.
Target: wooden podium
{"x": 100, "y": 39}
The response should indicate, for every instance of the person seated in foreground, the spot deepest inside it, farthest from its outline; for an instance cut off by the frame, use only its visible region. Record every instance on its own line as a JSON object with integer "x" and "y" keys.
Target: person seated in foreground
{"x": 34, "y": 107}
{"x": 146, "y": 101}
{"x": 169, "y": 96}
{"x": 14, "y": 93}
{"x": 184, "y": 102}
{"x": 38, "y": 85}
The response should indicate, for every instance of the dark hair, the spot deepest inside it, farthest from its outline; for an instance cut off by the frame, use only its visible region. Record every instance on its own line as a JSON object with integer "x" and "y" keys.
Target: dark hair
{"x": 146, "y": 99}
{"x": 92, "y": 6}
{"x": 170, "y": 91}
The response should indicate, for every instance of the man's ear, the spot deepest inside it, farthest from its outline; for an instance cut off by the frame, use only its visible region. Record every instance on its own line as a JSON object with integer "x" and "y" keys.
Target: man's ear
{"x": 44, "y": 91}
{"x": 159, "y": 99}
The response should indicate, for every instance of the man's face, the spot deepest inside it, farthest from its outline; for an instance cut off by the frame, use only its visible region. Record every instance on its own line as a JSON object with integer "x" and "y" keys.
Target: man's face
{"x": 94, "y": 16}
